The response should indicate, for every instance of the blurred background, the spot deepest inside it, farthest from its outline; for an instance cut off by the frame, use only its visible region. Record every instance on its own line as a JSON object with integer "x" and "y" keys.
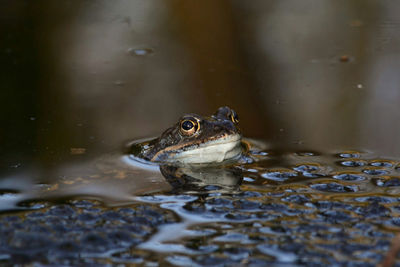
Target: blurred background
{"x": 91, "y": 75}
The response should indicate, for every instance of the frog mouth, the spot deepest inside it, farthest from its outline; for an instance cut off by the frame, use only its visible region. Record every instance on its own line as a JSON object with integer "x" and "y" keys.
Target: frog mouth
{"x": 216, "y": 150}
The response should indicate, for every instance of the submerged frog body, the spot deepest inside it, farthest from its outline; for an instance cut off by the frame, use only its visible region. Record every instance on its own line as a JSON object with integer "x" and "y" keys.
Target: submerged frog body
{"x": 197, "y": 140}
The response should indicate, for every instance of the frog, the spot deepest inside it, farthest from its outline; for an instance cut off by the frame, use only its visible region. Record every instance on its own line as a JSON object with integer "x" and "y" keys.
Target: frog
{"x": 196, "y": 140}
{"x": 194, "y": 152}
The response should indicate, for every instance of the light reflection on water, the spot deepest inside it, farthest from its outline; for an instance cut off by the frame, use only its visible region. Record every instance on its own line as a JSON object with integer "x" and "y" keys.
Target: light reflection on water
{"x": 287, "y": 190}
{"x": 87, "y": 76}
{"x": 112, "y": 179}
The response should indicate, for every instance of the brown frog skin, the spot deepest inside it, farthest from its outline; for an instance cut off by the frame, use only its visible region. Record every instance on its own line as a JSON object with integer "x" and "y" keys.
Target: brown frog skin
{"x": 195, "y": 139}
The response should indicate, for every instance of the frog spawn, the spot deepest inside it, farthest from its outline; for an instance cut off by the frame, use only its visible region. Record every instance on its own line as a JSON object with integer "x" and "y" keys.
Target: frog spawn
{"x": 303, "y": 209}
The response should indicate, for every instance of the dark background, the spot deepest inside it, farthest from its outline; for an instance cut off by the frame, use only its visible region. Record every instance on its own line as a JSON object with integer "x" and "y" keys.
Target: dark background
{"x": 312, "y": 74}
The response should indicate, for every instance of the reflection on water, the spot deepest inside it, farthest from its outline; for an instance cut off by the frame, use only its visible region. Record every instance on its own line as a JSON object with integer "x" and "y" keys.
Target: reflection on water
{"x": 316, "y": 79}
{"x": 112, "y": 179}
{"x": 287, "y": 207}
{"x": 185, "y": 178}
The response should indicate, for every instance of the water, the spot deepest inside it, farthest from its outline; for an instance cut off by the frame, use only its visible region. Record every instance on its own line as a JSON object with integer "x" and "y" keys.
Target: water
{"x": 315, "y": 80}
{"x": 140, "y": 51}
{"x": 298, "y": 208}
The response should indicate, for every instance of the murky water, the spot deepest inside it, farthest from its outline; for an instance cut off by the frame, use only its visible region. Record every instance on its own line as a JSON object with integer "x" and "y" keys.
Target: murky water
{"x": 315, "y": 80}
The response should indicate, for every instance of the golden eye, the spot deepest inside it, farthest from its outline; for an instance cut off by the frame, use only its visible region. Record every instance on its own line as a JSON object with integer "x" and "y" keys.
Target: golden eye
{"x": 234, "y": 117}
{"x": 189, "y": 126}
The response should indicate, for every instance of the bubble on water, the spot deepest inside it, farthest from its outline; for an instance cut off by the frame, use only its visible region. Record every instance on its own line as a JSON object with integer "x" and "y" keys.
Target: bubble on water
{"x": 258, "y": 153}
{"x": 248, "y": 179}
{"x": 140, "y": 51}
{"x": 353, "y": 163}
{"x": 349, "y": 154}
{"x": 349, "y": 176}
{"x": 279, "y": 174}
{"x": 307, "y": 167}
{"x": 381, "y": 163}
{"x": 387, "y": 181}
{"x": 375, "y": 171}
{"x": 306, "y": 154}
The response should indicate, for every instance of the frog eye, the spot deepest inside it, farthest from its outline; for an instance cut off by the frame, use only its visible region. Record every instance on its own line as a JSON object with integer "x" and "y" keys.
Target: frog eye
{"x": 234, "y": 117}
{"x": 189, "y": 126}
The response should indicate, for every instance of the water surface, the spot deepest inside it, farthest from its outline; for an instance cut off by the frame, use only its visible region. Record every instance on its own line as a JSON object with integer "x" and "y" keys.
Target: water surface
{"x": 316, "y": 80}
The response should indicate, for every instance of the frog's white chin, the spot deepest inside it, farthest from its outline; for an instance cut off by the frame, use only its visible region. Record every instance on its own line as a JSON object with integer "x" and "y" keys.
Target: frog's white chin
{"x": 211, "y": 152}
